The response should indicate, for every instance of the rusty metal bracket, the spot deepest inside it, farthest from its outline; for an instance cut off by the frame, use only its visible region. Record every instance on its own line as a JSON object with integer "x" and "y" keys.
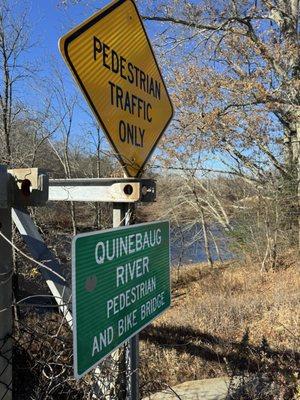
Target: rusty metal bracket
{"x": 30, "y": 187}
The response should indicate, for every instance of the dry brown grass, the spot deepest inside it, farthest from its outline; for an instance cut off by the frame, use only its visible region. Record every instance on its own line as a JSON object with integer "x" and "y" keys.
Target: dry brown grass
{"x": 211, "y": 311}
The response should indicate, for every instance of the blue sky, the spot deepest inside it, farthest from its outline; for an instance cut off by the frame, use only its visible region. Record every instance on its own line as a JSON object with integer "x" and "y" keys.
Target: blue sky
{"x": 49, "y": 21}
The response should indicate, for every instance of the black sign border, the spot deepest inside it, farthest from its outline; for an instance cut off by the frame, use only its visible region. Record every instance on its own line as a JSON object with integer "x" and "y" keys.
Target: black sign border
{"x": 77, "y": 33}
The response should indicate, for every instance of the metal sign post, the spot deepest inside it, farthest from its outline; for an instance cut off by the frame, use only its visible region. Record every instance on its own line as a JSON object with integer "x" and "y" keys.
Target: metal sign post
{"x": 134, "y": 360}
{"x": 5, "y": 306}
{"x": 6, "y": 272}
{"x": 122, "y": 215}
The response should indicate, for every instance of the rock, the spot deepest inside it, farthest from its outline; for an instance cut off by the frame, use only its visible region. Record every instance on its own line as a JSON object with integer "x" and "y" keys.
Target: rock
{"x": 205, "y": 389}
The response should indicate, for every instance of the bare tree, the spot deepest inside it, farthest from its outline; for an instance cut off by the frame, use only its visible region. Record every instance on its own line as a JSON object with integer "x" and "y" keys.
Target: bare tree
{"x": 236, "y": 86}
{"x": 64, "y": 105}
{"x": 15, "y": 70}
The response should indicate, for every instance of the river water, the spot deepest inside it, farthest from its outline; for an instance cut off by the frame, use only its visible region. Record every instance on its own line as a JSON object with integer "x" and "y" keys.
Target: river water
{"x": 187, "y": 245}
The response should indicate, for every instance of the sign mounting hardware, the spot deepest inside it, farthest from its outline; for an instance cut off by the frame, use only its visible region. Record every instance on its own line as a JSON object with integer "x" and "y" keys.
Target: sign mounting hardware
{"x": 112, "y": 61}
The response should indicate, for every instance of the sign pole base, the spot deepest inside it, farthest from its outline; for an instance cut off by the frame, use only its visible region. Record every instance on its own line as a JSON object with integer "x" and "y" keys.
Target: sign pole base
{"x": 134, "y": 367}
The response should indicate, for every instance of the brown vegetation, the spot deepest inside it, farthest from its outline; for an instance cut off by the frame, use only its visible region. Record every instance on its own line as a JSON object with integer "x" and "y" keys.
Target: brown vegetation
{"x": 200, "y": 336}
{"x": 227, "y": 320}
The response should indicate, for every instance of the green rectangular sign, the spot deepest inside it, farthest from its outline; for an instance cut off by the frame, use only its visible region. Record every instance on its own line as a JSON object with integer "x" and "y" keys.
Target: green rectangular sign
{"x": 120, "y": 283}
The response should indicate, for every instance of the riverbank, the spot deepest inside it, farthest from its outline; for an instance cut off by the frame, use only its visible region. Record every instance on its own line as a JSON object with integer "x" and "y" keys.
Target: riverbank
{"x": 214, "y": 315}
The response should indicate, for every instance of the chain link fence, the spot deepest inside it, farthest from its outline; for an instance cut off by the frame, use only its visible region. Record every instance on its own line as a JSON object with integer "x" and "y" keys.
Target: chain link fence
{"x": 6, "y": 362}
{"x": 39, "y": 354}
{"x": 42, "y": 363}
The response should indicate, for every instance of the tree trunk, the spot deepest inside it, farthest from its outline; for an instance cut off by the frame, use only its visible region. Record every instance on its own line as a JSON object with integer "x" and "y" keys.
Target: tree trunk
{"x": 297, "y": 154}
{"x": 98, "y": 219}
{"x": 73, "y": 217}
{"x": 292, "y": 160}
{"x": 216, "y": 247}
{"x": 295, "y": 150}
{"x": 205, "y": 236}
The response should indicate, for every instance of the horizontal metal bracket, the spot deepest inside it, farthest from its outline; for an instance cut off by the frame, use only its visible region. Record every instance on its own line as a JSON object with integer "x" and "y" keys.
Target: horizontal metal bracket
{"x": 116, "y": 190}
{"x": 30, "y": 187}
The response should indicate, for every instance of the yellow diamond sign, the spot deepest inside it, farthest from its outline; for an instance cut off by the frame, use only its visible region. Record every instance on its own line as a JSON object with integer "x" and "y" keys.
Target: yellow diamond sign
{"x": 112, "y": 61}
